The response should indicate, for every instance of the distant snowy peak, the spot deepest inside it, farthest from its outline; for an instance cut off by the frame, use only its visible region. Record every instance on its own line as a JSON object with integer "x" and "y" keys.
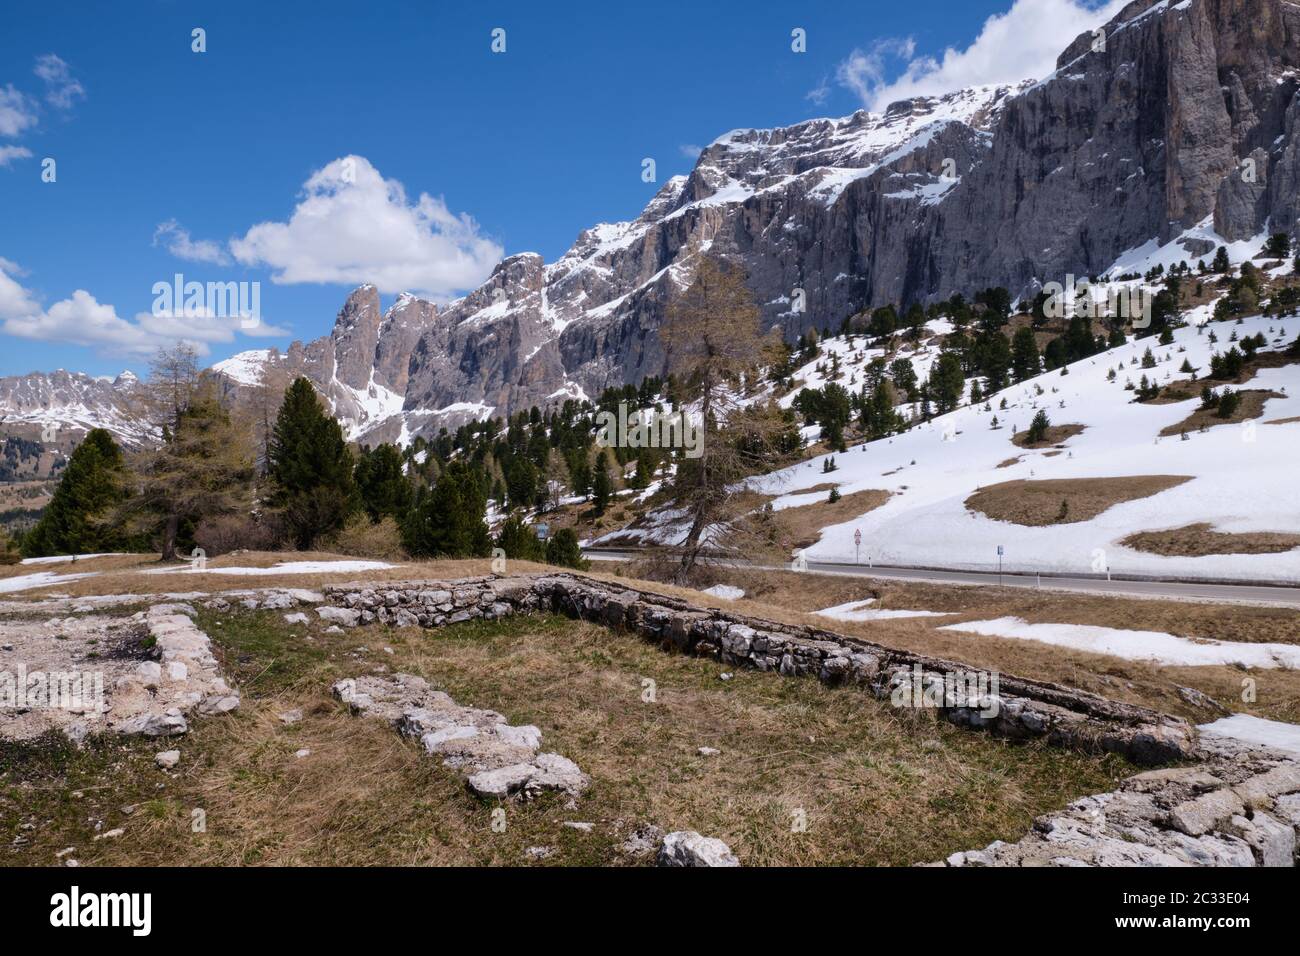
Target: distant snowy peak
{"x": 360, "y": 369}
{"x": 59, "y": 407}
{"x": 862, "y": 139}
{"x": 245, "y": 368}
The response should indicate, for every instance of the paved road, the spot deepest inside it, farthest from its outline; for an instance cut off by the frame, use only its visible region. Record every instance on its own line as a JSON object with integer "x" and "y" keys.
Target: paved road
{"x": 1169, "y": 590}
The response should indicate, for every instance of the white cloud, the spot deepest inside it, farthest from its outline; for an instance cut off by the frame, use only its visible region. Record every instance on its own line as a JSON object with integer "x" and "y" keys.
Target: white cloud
{"x": 14, "y": 299}
{"x": 820, "y": 93}
{"x": 1022, "y": 43}
{"x": 864, "y": 72}
{"x": 177, "y": 241}
{"x": 17, "y": 112}
{"x": 690, "y": 150}
{"x": 9, "y": 153}
{"x": 61, "y": 87}
{"x": 81, "y": 319}
{"x": 354, "y": 226}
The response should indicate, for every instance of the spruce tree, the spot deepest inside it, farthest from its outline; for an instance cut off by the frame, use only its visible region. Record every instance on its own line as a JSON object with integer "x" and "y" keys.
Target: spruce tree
{"x": 1025, "y": 360}
{"x": 602, "y": 488}
{"x": 310, "y": 467}
{"x": 77, "y": 519}
{"x": 562, "y": 549}
{"x": 382, "y": 483}
{"x": 447, "y": 521}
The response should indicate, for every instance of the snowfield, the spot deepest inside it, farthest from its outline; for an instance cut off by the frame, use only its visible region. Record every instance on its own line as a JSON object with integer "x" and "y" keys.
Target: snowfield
{"x": 1153, "y": 646}
{"x": 284, "y": 567}
{"x": 25, "y": 582}
{"x": 1244, "y": 475}
{"x": 61, "y": 558}
{"x": 725, "y": 591}
{"x": 1255, "y": 730}
{"x": 863, "y": 611}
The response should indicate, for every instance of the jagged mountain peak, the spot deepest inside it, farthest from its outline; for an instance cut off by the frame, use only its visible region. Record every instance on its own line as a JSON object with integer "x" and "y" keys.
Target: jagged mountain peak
{"x": 1132, "y": 142}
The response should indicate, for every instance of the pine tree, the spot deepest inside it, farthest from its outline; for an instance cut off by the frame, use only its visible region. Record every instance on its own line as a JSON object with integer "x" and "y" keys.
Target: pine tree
{"x": 1038, "y": 428}
{"x": 562, "y": 549}
{"x": 947, "y": 382}
{"x": 521, "y": 482}
{"x": 1025, "y": 360}
{"x": 382, "y": 484}
{"x": 448, "y": 521}
{"x": 78, "y": 518}
{"x": 519, "y": 541}
{"x": 645, "y": 467}
{"x": 310, "y": 467}
{"x": 602, "y": 488}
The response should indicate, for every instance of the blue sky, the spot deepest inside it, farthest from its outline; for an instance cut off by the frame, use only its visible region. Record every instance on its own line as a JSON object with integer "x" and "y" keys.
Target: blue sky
{"x": 495, "y": 153}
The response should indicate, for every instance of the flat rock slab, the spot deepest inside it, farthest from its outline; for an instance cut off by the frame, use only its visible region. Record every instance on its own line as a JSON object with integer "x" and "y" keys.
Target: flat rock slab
{"x": 1239, "y": 807}
{"x": 139, "y": 675}
{"x": 499, "y": 760}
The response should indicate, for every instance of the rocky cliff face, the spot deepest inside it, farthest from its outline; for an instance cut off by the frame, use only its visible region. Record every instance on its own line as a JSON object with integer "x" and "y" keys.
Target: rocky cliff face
{"x": 1141, "y": 137}
{"x": 1142, "y": 133}
{"x": 1178, "y": 123}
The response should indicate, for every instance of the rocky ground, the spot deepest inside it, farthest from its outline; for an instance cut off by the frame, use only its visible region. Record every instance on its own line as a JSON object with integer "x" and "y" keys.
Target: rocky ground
{"x": 130, "y": 675}
{"x": 271, "y": 712}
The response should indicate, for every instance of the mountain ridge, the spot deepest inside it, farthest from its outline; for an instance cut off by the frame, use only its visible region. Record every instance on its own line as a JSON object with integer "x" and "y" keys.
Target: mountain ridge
{"x": 1143, "y": 139}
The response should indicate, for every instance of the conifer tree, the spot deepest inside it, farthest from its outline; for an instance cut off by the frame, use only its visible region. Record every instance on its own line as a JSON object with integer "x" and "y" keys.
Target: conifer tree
{"x": 202, "y": 469}
{"x": 562, "y": 549}
{"x": 1038, "y": 428}
{"x": 447, "y": 521}
{"x": 1025, "y": 360}
{"x": 78, "y": 519}
{"x": 382, "y": 483}
{"x": 713, "y": 341}
{"x": 602, "y": 488}
{"x": 519, "y": 541}
{"x": 310, "y": 467}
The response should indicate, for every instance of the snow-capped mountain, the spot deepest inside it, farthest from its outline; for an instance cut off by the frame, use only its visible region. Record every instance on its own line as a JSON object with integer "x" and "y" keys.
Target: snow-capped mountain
{"x": 1177, "y": 127}
{"x": 58, "y": 408}
{"x": 361, "y": 368}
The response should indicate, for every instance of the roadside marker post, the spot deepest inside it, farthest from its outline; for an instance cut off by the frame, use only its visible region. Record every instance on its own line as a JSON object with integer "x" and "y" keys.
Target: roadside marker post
{"x": 1000, "y": 551}
{"x": 857, "y": 546}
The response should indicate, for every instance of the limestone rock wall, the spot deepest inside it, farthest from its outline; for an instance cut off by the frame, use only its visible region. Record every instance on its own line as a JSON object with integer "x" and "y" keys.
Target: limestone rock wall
{"x": 1022, "y": 709}
{"x": 1236, "y": 805}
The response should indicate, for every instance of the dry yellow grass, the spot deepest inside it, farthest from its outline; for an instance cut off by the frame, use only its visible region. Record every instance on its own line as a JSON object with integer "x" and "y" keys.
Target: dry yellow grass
{"x": 1038, "y": 503}
{"x": 1251, "y": 407}
{"x": 1056, "y": 435}
{"x": 129, "y": 574}
{"x": 801, "y": 525}
{"x": 790, "y": 597}
{"x": 876, "y": 787}
{"x": 1196, "y": 540}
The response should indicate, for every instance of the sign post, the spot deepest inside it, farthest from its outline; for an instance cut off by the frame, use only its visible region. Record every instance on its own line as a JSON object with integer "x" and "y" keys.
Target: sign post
{"x": 857, "y": 546}
{"x": 1000, "y": 552}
